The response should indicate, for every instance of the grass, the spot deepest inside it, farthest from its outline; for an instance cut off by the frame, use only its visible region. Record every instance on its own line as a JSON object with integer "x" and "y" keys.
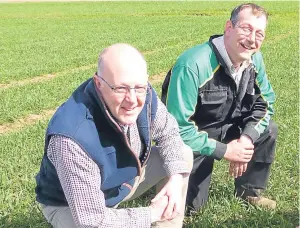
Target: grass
{"x": 57, "y": 38}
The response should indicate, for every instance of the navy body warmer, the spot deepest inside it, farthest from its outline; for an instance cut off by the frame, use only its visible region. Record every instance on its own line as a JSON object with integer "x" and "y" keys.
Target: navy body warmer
{"x": 84, "y": 119}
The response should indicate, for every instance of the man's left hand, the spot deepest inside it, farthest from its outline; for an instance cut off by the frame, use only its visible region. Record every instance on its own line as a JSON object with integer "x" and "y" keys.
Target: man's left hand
{"x": 173, "y": 190}
{"x": 236, "y": 169}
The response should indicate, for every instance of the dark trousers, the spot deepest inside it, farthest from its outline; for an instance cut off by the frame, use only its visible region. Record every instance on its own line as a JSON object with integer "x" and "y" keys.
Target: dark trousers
{"x": 250, "y": 183}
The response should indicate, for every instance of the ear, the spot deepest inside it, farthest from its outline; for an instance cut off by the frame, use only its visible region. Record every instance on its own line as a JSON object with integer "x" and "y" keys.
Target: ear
{"x": 96, "y": 81}
{"x": 228, "y": 26}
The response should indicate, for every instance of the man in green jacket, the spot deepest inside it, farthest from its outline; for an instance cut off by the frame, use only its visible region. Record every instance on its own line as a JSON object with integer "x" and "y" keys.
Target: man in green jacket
{"x": 220, "y": 95}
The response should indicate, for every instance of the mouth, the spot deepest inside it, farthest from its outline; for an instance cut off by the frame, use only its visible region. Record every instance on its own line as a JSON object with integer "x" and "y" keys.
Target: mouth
{"x": 246, "y": 47}
{"x": 128, "y": 109}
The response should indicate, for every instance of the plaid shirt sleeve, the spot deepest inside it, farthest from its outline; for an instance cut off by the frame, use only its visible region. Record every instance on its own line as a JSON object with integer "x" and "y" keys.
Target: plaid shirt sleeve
{"x": 80, "y": 179}
{"x": 165, "y": 133}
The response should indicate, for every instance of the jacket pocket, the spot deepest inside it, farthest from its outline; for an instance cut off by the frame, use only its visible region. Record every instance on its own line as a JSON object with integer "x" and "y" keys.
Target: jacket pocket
{"x": 213, "y": 102}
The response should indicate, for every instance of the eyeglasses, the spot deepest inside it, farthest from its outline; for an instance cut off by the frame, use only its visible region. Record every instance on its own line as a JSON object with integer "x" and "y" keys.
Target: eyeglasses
{"x": 247, "y": 31}
{"x": 140, "y": 91}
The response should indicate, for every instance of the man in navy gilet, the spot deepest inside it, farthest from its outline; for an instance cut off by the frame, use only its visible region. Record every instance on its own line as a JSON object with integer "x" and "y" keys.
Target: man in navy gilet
{"x": 98, "y": 151}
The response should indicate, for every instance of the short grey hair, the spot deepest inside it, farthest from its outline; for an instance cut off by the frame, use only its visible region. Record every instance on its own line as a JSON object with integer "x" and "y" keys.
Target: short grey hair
{"x": 256, "y": 10}
{"x": 100, "y": 62}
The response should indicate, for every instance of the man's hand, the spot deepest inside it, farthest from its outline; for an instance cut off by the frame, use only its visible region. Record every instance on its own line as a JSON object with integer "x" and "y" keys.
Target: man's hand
{"x": 236, "y": 169}
{"x": 158, "y": 208}
{"x": 239, "y": 152}
{"x": 173, "y": 190}
{"x": 245, "y": 140}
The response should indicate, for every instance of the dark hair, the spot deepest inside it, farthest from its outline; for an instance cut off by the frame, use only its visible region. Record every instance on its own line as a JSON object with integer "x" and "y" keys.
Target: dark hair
{"x": 256, "y": 10}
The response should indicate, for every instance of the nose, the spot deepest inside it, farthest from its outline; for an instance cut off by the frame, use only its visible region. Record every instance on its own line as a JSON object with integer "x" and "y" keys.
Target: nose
{"x": 252, "y": 37}
{"x": 131, "y": 96}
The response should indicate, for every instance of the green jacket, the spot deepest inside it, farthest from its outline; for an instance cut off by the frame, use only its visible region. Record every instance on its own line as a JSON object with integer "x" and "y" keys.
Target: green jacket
{"x": 204, "y": 99}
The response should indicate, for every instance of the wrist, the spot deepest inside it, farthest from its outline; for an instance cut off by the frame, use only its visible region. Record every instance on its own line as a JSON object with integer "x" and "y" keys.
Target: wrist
{"x": 219, "y": 151}
{"x": 154, "y": 215}
{"x": 176, "y": 176}
{"x": 227, "y": 153}
{"x": 246, "y": 138}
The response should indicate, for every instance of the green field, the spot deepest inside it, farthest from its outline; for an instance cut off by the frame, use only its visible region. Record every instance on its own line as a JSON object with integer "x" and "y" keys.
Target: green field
{"x": 64, "y": 40}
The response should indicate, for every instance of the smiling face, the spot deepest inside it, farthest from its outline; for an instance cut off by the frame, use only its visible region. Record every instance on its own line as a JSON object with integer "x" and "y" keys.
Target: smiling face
{"x": 244, "y": 38}
{"x": 122, "y": 65}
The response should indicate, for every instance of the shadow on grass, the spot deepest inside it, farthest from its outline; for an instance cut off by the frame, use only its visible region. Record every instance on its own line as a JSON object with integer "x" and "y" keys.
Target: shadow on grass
{"x": 264, "y": 219}
{"x": 224, "y": 210}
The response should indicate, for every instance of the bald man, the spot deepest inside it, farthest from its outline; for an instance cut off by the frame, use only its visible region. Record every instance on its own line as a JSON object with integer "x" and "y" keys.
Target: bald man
{"x": 98, "y": 151}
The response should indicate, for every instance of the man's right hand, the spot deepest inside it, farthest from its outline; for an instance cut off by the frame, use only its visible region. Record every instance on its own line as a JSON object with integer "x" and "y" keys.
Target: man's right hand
{"x": 158, "y": 208}
{"x": 238, "y": 152}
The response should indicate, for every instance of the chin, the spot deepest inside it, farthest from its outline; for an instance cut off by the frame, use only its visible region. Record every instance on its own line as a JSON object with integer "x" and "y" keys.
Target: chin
{"x": 126, "y": 120}
{"x": 245, "y": 56}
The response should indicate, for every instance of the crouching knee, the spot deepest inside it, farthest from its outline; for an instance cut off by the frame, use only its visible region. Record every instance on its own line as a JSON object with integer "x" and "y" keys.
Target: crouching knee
{"x": 273, "y": 130}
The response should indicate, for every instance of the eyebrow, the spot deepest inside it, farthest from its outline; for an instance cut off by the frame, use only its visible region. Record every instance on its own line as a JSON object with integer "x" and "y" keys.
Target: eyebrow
{"x": 137, "y": 85}
{"x": 252, "y": 26}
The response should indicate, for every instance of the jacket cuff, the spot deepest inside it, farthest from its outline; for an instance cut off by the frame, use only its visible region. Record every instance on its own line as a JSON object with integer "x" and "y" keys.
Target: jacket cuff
{"x": 219, "y": 151}
{"x": 180, "y": 167}
{"x": 251, "y": 132}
